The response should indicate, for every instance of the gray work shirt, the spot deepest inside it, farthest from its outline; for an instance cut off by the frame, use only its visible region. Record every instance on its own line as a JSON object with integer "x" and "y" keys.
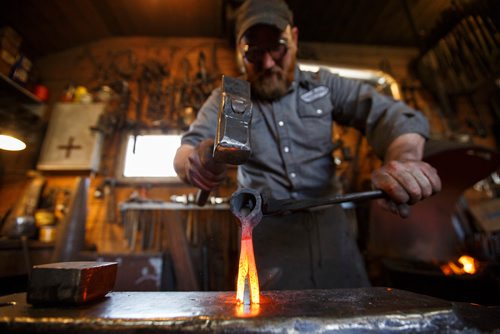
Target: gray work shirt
{"x": 291, "y": 139}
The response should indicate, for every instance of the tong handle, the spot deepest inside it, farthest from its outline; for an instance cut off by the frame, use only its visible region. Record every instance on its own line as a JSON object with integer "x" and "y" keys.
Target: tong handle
{"x": 202, "y": 197}
{"x": 273, "y": 206}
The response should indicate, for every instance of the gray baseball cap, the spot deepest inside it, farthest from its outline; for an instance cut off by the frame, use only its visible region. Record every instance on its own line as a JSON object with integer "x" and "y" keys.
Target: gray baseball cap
{"x": 253, "y": 12}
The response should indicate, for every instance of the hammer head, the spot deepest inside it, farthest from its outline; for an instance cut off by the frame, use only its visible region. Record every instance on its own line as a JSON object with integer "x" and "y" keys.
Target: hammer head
{"x": 232, "y": 140}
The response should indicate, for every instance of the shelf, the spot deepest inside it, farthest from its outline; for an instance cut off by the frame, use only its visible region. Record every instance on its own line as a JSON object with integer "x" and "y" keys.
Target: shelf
{"x": 8, "y": 86}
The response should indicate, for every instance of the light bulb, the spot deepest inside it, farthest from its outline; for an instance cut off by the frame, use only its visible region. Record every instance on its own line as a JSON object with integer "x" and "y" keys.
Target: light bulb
{"x": 10, "y": 143}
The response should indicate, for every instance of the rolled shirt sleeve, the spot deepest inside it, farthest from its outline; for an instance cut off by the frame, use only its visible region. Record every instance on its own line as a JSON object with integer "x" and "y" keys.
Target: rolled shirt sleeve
{"x": 381, "y": 118}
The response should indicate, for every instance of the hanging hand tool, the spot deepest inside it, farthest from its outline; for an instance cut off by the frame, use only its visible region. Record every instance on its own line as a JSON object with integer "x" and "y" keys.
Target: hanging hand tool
{"x": 232, "y": 139}
{"x": 478, "y": 124}
{"x": 138, "y": 108}
{"x": 110, "y": 195}
{"x": 202, "y": 74}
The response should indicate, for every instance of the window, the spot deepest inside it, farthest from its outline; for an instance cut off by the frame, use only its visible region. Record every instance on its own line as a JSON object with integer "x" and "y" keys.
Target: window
{"x": 150, "y": 156}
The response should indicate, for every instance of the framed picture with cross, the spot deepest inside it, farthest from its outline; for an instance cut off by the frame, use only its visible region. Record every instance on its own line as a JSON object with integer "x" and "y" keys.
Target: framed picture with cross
{"x": 70, "y": 143}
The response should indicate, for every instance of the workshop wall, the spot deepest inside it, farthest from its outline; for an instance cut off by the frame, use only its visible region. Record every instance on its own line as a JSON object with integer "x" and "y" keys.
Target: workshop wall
{"x": 168, "y": 80}
{"x": 176, "y": 62}
{"x": 184, "y": 70}
{"x": 151, "y": 68}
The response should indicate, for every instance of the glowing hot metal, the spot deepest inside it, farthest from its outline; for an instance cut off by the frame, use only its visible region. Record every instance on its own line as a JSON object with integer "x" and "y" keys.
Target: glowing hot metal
{"x": 246, "y": 206}
{"x": 247, "y": 270}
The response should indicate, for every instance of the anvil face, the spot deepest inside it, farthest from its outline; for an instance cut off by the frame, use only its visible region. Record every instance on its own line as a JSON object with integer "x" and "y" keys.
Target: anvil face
{"x": 311, "y": 311}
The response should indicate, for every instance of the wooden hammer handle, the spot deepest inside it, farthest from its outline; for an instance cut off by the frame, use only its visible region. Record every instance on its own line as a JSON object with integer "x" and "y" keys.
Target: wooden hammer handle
{"x": 202, "y": 197}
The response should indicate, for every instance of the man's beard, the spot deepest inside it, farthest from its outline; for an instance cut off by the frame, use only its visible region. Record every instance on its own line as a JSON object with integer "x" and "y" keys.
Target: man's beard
{"x": 271, "y": 84}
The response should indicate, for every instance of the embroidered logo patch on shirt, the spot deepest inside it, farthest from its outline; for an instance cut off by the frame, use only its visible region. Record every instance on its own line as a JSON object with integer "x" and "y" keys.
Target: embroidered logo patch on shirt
{"x": 314, "y": 94}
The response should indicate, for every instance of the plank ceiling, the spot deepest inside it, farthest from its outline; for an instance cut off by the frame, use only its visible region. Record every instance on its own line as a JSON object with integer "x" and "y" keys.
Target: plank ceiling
{"x": 55, "y": 25}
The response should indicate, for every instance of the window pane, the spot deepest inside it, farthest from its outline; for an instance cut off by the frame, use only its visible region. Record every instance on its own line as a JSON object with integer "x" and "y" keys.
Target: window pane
{"x": 153, "y": 157}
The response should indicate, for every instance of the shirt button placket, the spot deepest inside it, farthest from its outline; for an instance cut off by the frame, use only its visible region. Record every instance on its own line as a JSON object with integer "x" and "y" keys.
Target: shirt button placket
{"x": 280, "y": 112}
{"x": 286, "y": 148}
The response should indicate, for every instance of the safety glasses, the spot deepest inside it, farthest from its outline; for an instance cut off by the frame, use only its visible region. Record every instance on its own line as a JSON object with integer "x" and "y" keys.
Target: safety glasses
{"x": 255, "y": 54}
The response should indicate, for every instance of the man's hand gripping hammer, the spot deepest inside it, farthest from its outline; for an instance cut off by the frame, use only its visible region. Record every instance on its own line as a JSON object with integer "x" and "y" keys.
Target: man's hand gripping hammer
{"x": 232, "y": 139}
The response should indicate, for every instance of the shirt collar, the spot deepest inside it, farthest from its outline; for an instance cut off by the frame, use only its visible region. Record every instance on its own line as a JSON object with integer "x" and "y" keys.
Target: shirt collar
{"x": 296, "y": 79}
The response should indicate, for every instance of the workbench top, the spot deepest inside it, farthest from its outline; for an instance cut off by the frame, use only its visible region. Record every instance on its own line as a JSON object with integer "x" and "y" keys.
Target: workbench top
{"x": 307, "y": 311}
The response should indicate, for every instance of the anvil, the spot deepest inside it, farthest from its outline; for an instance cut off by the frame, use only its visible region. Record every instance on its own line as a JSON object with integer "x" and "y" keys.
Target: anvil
{"x": 307, "y": 311}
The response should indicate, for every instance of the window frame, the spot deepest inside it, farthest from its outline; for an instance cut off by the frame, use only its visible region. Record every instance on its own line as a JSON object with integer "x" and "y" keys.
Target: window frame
{"x": 120, "y": 168}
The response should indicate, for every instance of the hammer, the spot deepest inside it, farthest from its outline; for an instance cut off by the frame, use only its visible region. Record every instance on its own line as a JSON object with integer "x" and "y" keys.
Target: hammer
{"x": 232, "y": 139}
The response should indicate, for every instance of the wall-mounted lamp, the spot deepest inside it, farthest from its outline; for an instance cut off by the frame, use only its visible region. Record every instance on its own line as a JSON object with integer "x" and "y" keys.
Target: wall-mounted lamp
{"x": 17, "y": 127}
{"x": 10, "y": 142}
